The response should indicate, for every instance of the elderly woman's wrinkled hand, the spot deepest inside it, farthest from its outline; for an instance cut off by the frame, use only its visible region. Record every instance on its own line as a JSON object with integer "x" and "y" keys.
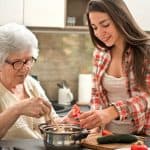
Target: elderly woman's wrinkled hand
{"x": 35, "y": 107}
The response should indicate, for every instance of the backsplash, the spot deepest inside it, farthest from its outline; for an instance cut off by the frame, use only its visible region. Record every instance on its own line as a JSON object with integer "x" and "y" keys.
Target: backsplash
{"x": 63, "y": 56}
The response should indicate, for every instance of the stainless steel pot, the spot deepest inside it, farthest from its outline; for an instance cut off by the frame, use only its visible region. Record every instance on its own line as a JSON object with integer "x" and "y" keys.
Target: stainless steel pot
{"x": 69, "y": 138}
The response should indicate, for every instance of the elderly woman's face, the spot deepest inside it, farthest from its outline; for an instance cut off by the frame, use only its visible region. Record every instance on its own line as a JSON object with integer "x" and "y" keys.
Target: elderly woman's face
{"x": 17, "y": 66}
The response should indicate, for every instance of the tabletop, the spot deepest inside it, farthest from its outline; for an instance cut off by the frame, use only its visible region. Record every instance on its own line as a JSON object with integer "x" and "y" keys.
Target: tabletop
{"x": 34, "y": 144}
{"x": 24, "y": 144}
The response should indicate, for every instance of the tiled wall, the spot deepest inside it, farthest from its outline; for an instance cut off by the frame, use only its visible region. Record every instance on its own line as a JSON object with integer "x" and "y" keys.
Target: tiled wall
{"x": 63, "y": 56}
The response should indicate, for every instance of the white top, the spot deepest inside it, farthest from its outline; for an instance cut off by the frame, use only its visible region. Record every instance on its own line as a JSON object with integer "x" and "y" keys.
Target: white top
{"x": 115, "y": 87}
{"x": 116, "y": 90}
{"x": 25, "y": 127}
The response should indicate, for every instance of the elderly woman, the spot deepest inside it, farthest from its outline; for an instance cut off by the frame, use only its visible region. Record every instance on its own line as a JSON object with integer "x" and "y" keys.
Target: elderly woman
{"x": 22, "y": 100}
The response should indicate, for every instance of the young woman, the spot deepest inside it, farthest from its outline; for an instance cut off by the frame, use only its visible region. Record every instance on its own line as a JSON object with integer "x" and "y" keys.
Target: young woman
{"x": 121, "y": 70}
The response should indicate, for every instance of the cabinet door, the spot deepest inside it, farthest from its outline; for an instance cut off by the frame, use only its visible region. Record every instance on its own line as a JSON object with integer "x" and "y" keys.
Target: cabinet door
{"x": 140, "y": 11}
{"x": 44, "y": 13}
{"x": 11, "y": 11}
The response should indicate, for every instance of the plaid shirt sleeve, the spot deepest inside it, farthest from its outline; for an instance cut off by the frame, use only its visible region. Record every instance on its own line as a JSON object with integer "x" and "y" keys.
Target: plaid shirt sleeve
{"x": 95, "y": 91}
{"x": 137, "y": 107}
{"x": 100, "y": 62}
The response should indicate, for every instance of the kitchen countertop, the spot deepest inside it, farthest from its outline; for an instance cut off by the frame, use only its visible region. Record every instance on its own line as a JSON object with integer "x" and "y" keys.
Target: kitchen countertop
{"x": 34, "y": 144}
{"x": 24, "y": 144}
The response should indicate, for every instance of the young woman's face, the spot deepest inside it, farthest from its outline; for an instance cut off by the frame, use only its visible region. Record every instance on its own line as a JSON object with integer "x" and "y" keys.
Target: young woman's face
{"x": 104, "y": 28}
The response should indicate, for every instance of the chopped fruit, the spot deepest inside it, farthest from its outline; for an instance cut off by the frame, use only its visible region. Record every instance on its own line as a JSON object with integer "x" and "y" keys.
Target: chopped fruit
{"x": 106, "y": 132}
{"x": 139, "y": 146}
{"x": 76, "y": 111}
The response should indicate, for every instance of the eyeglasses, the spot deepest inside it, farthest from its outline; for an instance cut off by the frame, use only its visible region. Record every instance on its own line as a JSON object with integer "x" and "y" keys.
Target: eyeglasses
{"x": 17, "y": 65}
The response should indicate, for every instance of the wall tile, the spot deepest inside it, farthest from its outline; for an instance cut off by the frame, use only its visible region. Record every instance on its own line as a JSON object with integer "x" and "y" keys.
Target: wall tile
{"x": 63, "y": 56}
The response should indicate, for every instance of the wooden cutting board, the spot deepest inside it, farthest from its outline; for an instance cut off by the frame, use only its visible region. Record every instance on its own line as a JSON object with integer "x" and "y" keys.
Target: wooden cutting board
{"x": 91, "y": 142}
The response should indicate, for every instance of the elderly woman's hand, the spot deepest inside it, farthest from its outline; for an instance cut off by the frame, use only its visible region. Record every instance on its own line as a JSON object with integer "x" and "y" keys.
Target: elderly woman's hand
{"x": 96, "y": 118}
{"x": 35, "y": 107}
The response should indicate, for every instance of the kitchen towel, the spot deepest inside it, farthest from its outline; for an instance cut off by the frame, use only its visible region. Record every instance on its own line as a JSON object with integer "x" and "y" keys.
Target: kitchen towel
{"x": 84, "y": 88}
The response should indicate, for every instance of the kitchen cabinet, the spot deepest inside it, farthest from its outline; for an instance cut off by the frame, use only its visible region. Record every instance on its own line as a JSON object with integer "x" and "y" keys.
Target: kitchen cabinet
{"x": 58, "y": 13}
{"x": 11, "y": 11}
{"x": 47, "y": 13}
{"x": 77, "y": 8}
{"x": 139, "y": 10}
{"x": 76, "y": 13}
{"x": 62, "y": 13}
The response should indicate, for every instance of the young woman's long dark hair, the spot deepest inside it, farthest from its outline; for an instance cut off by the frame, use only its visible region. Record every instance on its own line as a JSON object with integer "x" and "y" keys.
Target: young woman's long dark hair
{"x": 135, "y": 37}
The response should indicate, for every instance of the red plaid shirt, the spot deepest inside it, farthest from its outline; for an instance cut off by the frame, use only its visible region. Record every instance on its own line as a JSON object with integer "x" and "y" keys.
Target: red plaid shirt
{"x": 137, "y": 106}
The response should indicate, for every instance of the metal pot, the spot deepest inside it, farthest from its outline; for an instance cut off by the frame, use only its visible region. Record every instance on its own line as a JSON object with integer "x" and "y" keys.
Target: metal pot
{"x": 69, "y": 138}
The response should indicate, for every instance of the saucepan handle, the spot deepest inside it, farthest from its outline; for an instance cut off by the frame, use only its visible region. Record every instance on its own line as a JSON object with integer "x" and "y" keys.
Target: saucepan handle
{"x": 42, "y": 126}
{"x": 79, "y": 136}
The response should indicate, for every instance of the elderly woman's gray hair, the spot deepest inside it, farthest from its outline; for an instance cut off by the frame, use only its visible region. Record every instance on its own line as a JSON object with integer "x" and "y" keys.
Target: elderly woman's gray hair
{"x": 15, "y": 37}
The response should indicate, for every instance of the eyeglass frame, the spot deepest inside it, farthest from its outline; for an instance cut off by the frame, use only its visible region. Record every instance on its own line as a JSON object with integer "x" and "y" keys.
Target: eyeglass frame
{"x": 22, "y": 63}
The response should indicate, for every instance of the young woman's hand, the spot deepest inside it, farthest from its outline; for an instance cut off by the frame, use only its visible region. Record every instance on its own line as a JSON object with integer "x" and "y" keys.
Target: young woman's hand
{"x": 97, "y": 118}
{"x": 91, "y": 119}
{"x": 73, "y": 115}
{"x": 35, "y": 107}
